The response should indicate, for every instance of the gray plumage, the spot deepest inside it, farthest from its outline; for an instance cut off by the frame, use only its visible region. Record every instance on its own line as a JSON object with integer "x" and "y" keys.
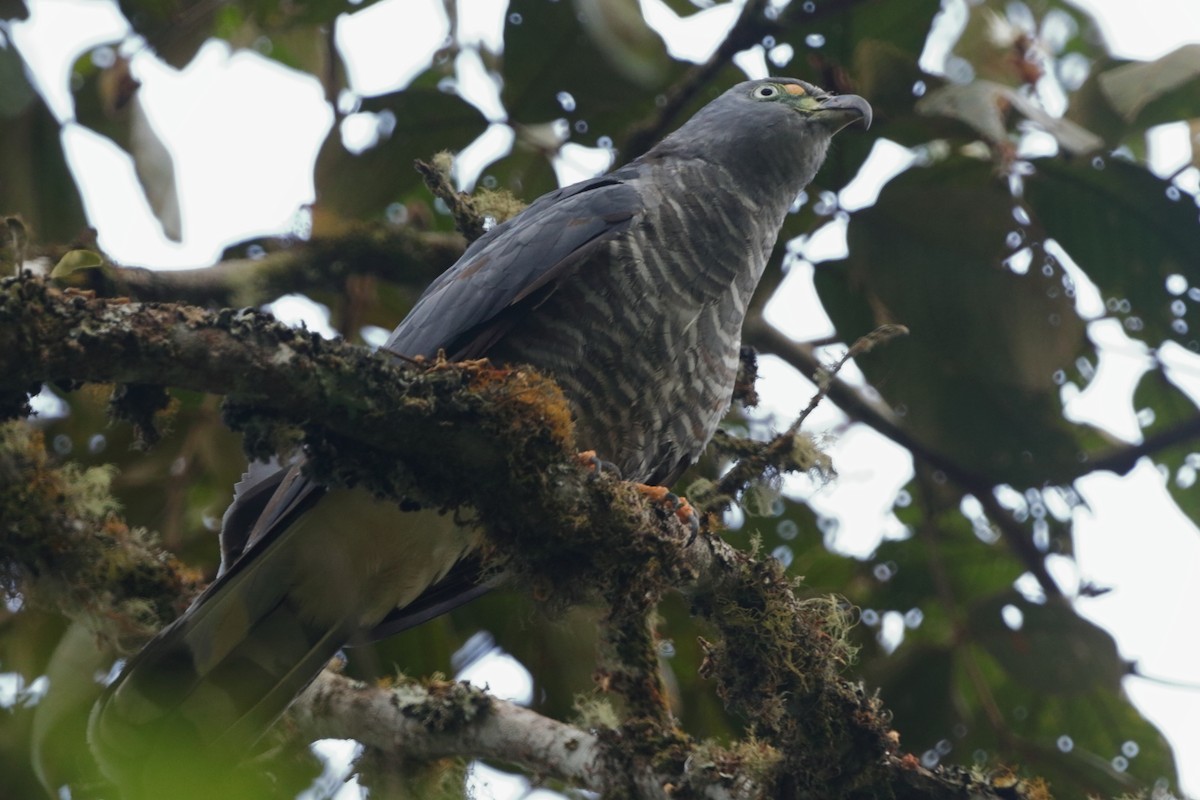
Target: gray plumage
{"x": 629, "y": 290}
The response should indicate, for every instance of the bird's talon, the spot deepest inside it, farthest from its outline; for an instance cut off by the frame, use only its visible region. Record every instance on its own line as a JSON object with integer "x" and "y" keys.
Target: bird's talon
{"x": 688, "y": 516}
{"x": 597, "y": 465}
{"x": 682, "y": 509}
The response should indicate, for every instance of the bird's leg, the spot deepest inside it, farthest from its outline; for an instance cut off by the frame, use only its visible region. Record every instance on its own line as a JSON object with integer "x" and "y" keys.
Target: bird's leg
{"x": 656, "y": 494}
{"x": 679, "y": 505}
{"x": 599, "y": 466}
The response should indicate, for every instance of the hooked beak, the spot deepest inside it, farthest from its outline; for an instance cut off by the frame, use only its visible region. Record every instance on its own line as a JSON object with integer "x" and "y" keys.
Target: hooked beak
{"x": 842, "y": 109}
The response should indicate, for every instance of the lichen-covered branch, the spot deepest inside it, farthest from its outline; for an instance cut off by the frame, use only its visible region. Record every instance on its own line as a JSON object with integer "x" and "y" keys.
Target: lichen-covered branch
{"x": 473, "y": 213}
{"x": 437, "y": 719}
{"x": 396, "y": 253}
{"x": 763, "y": 335}
{"x": 440, "y": 719}
{"x": 63, "y": 546}
{"x": 500, "y": 442}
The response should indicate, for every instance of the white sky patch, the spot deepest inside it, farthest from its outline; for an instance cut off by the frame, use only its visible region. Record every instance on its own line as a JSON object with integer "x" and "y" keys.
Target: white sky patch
{"x": 576, "y": 162}
{"x": 335, "y": 782}
{"x": 479, "y": 87}
{"x": 116, "y": 207}
{"x": 494, "y": 143}
{"x": 1089, "y": 303}
{"x": 1183, "y": 368}
{"x": 235, "y": 180}
{"x": 481, "y": 23}
{"x": 388, "y": 44}
{"x": 489, "y": 783}
{"x": 47, "y": 405}
{"x": 871, "y": 470}
{"x": 795, "y": 307}
{"x": 1107, "y": 401}
{"x": 827, "y": 243}
{"x": 360, "y": 131}
{"x": 10, "y": 688}
{"x": 53, "y": 36}
{"x": 1129, "y": 521}
{"x": 753, "y": 62}
{"x": 1170, "y": 146}
{"x": 885, "y": 161}
{"x": 1146, "y": 29}
{"x": 694, "y": 37}
{"x": 948, "y": 26}
{"x": 297, "y": 310}
{"x": 502, "y": 675}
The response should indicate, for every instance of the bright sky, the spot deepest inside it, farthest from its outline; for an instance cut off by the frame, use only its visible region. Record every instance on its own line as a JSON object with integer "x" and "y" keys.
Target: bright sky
{"x": 267, "y": 123}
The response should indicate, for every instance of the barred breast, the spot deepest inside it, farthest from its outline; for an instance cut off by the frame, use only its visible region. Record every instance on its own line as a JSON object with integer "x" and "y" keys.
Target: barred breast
{"x": 644, "y": 340}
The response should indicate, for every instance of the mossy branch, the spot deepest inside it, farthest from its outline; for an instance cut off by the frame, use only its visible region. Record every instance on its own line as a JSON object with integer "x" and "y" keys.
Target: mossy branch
{"x": 401, "y": 254}
{"x": 63, "y": 546}
{"x": 500, "y": 441}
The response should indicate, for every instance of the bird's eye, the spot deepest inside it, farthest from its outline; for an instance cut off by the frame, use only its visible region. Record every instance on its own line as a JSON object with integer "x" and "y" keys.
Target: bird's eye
{"x": 765, "y": 92}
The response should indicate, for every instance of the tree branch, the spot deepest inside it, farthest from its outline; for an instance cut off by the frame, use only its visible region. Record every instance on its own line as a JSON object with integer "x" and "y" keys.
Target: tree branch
{"x": 439, "y": 719}
{"x": 397, "y": 253}
{"x": 500, "y": 441}
{"x": 751, "y": 25}
{"x": 760, "y": 333}
{"x": 1124, "y": 459}
{"x": 63, "y": 546}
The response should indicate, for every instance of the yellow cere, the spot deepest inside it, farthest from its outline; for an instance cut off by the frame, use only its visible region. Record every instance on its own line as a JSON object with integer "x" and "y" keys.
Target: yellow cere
{"x": 792, "y": 88}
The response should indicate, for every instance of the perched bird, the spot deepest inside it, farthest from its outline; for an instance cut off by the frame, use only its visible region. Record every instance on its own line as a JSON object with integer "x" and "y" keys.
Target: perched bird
{"x": 628, "y": 289}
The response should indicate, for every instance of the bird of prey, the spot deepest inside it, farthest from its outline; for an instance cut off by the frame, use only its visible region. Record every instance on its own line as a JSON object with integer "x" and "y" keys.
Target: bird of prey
{"x": 628, "y": 289}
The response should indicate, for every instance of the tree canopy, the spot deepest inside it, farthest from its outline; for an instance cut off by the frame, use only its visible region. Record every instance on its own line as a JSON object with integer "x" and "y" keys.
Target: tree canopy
{"x": 1024, "y": 228}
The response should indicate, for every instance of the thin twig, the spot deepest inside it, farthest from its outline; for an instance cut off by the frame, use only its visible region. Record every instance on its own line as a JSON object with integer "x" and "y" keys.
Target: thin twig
{"x": 781, "y": 453}
{"x": 467, "y": 218}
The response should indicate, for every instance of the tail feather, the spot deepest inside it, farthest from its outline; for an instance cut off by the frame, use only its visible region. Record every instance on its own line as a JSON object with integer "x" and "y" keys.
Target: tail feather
{"x": 160, "y": 736}
{"x": 210, "y": 684}
{"x": 187, "y": 697}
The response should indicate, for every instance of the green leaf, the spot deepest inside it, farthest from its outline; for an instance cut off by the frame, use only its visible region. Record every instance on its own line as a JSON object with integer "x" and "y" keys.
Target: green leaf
{"x": 844, "y": 26}
{"x": 108, "y": 102}
{"x": 974, "y": 380}
{"x": 1172, "y": 410}
{"x": 917, "y": 686}
{"x": 16, "y": 93}
{"x": 1053, "y": 650}
{"x": 1170, "y": 84}
{"x": 971, "y": 568}
{"x": 1129, "y": 231}
{"x": 13, "y": 9}
{"x": 361, "y": 185}
{"x": 602, "y": 54}
{"x": 1121, "y": 99}
{"x": 1015, "y": 723}
{"x": 76, "y": 260}
{"x": 983, "y": 105}
{"x": 174, "y": 29}
{"x": 35, "y": 181}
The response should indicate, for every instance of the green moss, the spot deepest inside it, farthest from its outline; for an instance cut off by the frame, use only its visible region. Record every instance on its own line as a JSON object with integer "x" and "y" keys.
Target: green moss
{"x": 63, "y": 546}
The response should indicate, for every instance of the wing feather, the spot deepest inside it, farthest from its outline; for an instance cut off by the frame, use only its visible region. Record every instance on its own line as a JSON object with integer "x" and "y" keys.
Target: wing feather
{"x": 513, "y": 263}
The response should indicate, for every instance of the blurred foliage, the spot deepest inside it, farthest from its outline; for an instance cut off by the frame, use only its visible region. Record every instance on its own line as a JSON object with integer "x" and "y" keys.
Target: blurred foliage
{"x": 961, "y": 247}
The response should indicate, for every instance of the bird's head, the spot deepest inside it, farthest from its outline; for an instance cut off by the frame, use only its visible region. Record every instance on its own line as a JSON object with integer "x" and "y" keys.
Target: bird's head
{"x": 831, "y": 112}
{"x": 772, "y": 134}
